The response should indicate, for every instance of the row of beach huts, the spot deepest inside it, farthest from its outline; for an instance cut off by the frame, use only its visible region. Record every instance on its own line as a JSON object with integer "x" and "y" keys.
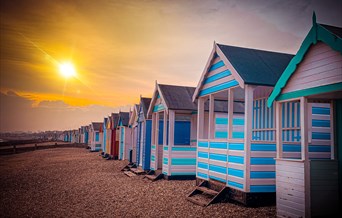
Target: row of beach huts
{"x": 260, "y": 127}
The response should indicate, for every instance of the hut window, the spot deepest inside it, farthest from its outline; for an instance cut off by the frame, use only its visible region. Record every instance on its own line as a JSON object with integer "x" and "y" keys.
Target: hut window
{"x": 263, "y": 125}
{"x": 97, "y": 136}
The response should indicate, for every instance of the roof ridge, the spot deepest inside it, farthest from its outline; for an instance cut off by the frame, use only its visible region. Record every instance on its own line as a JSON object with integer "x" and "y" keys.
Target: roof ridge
{"x": 276, "y": 52}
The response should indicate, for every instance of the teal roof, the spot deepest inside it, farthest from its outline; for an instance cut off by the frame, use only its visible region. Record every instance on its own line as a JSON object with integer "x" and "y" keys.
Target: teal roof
{"x": 319, "y": 32}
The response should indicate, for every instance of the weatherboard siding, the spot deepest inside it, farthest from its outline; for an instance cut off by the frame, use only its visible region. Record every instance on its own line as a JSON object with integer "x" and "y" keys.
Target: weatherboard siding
{"x": 218, "y": 78}
{"x": 320, "y": 66}
{"x": 181, "y": 160}
{"x": 221, "y": 126}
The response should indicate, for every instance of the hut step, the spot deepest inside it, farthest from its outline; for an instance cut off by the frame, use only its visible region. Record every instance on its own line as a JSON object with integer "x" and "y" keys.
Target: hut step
{"x": 138, "y": 171}
{"x": 129, "y": 166}
{"x": 129, "y": 174}
{"x": 203, "y": 195}
{"x": 154, "y": 175}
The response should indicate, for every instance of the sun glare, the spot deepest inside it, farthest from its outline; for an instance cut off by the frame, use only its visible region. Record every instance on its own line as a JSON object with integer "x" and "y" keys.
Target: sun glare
{"x": 67, "y": 69}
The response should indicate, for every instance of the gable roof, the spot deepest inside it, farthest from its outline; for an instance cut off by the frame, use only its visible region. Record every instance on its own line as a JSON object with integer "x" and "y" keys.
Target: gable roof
{"x": 124, "y": 118}
{"x": 145, "y": 104}
{"x": 178, "y": 97}
{"x": 96, "y": 125}
{"x": 134, "y": 114}
{"x": 256, "y": 67}
{"x": 114, "y": 120}
{"x": 246, "y": 65}
{"x": 330, "y": 35}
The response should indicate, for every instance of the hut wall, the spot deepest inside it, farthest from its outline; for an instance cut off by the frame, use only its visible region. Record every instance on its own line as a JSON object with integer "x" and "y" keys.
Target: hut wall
{"x": 320, "y": 66}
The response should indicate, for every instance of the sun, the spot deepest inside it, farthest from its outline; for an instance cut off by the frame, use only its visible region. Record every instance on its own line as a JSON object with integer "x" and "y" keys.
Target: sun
{"x": 67, "y": 69}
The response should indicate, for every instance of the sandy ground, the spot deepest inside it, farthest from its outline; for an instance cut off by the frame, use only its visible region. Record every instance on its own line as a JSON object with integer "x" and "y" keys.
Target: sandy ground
{"x": 72, "y": 182}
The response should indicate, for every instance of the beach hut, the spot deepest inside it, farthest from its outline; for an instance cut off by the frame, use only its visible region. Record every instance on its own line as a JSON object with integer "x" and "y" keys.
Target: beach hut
{"x": 143, "y": 155}
{"x": 236, "y": 150}
{"x": 124, "y": 133}
{"x": 133, "y": 124}
{"x": 112, "y": 136}
{"x": 308, "y": 98}
{"x": 173, "y": 146}
{"x": 95, "y": 139}
{"x": 103, "y": 129}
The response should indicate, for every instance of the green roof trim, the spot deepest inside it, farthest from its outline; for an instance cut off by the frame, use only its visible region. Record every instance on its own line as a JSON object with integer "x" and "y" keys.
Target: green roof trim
{"x": 316, "y": 33}
{"x": 310, "y": 91}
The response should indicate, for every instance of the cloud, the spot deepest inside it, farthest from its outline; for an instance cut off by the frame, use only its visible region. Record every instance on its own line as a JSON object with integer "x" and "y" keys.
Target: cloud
{"x": 17, "y": 113}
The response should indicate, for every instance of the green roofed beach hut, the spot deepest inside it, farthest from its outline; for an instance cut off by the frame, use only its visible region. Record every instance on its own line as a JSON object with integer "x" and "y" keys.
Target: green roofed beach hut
{"x": 308, "y": 98}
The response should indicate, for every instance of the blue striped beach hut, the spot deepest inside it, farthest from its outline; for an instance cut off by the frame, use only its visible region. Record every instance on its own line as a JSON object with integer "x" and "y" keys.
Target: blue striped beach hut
{"x": 308, "y": 98}
{"x": 143, "y": 155}
{"x": 173, "y": 146}
{"x": 233, "y": 148}
{"x": 124, "y": 133}
{"x": 94, "y": 135}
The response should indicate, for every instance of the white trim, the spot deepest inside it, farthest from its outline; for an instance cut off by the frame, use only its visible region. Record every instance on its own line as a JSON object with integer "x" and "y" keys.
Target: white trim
{"x": 278, "y": 130}
{"x": 205, "y": 71}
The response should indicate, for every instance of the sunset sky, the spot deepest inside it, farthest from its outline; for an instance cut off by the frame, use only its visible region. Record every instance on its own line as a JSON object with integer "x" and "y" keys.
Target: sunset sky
{"x": 120, "y": 48}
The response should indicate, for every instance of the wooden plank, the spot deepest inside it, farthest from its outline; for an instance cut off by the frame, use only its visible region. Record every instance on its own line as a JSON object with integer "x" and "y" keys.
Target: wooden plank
{"x": 291, "y": 181}
{"x": 290, "y": 206}
{"x": 230, "y": 112}
{"x": 278, "y": 131}
{"x": 211, "y": 117}
{"x": 285, "y": 190}
{"x": 285, "y": 183}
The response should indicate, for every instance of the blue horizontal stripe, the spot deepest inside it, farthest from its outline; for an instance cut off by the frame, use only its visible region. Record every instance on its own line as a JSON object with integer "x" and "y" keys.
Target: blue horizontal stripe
{"x": 218, "y": 145}
{"x": 219, "y": 87}
{"x": 202, "y": 165}
{"x": 216, "y": 66}
{"x": 262, "y": 188}
{"x": 184, "y": 148}
{"x": 321, "y": 123}
{"x": 218, "y": 76}
{"x": 203, "y": 154}
{"x": 217, "y": 169}
{"x": 203, "y": 175}
{"x": 291, "y": 148}
{"x": 321, "y": 135}
{"x": 320, "y": 110}
{"x": 158, "y": 107}
{"x": 221, "y": 135}
{"x": 235, "y": 159}
{"x": 238, "y": 121}
{"x": 221, "y": 120}
{"x": 263, "y": 147}
{"x": 152, "y": 157}
{"x": 235, "y": 172}
{"x": 236, "y": 146}
{"x": 166, "y": 148}
{"x": 224, "y": 121}
{"x": 238, "y": 135}
{"x": 183, "y": 161}
{"x": 217, "y": 178}
{"x": 203, "y": 144}
{"x": 165, "y": 160}
{"x": 235, "y": 184}
{"x": 262, "y": 161}
{"x": 319, "y": 148}
{"x": 263, "y": 175}
{"x": 153, "y": 147}
{"x": 219, "y": 157}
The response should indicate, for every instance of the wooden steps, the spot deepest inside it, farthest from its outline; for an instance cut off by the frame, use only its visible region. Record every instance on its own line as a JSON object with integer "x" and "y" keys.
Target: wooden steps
{"x": 207, "y": 193}
{"x": 154, "y": 175}
{"x": 129, "y": 173}
{"x": 129, "y": 166}
{"x": 138, "y": 171}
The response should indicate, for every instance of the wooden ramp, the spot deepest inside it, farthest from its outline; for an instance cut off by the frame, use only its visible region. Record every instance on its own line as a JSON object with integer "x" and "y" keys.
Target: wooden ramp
{"x": 129, "y": 173}
{"x": 207, "y": 193}
{"x": 154, "y": 175}
{"x": 138, "y": 171}
{"x": 129, "y": 166}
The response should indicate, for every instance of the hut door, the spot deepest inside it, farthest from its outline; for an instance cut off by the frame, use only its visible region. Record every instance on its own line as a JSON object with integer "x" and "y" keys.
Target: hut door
{"x": 142, "y": 142}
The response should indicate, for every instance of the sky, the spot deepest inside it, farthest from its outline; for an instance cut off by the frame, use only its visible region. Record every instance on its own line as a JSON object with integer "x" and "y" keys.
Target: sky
{"x": 121, "y": 48}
